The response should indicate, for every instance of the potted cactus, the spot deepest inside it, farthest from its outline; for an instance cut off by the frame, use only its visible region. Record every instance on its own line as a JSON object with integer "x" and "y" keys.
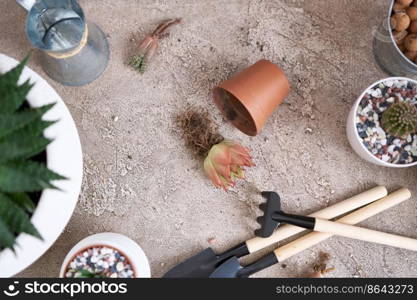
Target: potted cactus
{"x": 106, "y": 255}
{"x": 40, "y": 166}
{"x": 382, "y": 125}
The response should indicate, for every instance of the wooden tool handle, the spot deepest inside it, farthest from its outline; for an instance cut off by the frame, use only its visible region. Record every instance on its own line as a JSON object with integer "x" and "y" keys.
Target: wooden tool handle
{"x": 286, "y": 231}
{"x": 360, "y": 215}
{"x": 364, "y": 234}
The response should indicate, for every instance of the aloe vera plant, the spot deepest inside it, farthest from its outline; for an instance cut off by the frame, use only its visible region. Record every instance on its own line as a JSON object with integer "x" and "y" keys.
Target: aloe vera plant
{"x": 21, "y": 139}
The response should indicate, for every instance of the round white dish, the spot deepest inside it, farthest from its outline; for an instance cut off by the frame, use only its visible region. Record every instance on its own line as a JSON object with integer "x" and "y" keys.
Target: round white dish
{"x": 125, "y": 245}
{"x": 64, "y": 156}
{"x": 353, "y": 135}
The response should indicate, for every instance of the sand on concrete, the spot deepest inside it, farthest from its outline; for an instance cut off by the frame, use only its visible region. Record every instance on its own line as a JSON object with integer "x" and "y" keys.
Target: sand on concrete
{"x": 141, "y": 181}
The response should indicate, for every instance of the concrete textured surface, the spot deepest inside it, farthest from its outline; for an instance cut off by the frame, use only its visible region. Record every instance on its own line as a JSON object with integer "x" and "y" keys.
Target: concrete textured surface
{"x": 141, "y": 181}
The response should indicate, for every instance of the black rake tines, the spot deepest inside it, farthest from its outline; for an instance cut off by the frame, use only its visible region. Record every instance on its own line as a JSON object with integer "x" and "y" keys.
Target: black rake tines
{"x": 271, "y": 206}
{"x": 273, "y": 216}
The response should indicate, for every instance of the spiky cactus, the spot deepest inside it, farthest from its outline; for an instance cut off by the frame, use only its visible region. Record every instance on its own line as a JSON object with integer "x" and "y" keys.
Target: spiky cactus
{"x": 21, "y": 139}
{"x": 400, "y": 119}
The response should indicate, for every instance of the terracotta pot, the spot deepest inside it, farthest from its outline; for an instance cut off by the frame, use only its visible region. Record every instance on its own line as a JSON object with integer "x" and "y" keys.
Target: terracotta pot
{"x": 249, "y": 98}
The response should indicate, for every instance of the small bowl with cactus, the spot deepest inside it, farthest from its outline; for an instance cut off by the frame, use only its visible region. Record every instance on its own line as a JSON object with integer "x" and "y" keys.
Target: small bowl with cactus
{"x": 40, "y": 166}
{"x": 382, "y": 124}
{"x": 106, "y": 255}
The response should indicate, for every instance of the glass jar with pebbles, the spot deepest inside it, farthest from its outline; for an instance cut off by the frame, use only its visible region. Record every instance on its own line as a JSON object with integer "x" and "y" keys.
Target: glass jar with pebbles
{"x": 395, "y": 40}
{"x": 106, "y": 255}
{"x": 382, "y": 124}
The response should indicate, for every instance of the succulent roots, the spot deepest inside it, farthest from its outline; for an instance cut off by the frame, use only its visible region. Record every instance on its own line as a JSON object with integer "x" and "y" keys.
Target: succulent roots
{"x": 198, "y": 130}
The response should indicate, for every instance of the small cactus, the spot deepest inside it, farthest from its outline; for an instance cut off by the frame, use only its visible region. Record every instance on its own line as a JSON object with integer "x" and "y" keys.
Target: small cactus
{"x": 400, "y": 119}
{"x": 149, "y": 45}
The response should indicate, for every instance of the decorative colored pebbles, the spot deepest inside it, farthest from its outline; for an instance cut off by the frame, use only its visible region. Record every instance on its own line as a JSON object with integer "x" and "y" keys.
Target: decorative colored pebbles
{"x": 100, "y": 262}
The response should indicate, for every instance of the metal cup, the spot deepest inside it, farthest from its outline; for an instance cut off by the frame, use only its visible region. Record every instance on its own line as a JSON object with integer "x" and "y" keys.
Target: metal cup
{"x": 387, "y": 54}
{"x": 73, "y": 51}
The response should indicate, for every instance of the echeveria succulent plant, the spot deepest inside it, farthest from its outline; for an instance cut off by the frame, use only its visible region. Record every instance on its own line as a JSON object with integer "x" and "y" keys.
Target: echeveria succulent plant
{"x": 225, "y": 161}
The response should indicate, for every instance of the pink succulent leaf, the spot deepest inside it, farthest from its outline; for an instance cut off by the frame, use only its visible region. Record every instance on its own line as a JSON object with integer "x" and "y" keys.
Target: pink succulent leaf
{"x": 226, "y": 183}
{"x": 237, "y": 172}
{"x": 149, "y": 55}
{"x": 234, "y": 168}
{"x": 223, "y": 170}
{"x": 224, "y": 163}
{"x": 146, "y": 44}
{"x": 235, "y": 148}
{"x": 161, "y": 29}
{"x": 240, "y": 160}
{"x": 239, "y": 153}
{"x": 211, "y": 173}
{"x": 221, "y": 160}
{"x": 217, "y": 179}
{"x": 220, "y": 153}
{"x": 149, "y": 45}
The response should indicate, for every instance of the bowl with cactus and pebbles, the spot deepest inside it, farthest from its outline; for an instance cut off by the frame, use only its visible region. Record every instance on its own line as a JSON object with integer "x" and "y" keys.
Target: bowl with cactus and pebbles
{"x": 106, "y": 255}
{"x": 382, "y": 124}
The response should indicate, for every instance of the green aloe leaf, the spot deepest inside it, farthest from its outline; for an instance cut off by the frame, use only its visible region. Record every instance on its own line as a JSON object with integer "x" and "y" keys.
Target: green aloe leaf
{"x": 33, "y": 129}
{"x": 26, "y": 176}
{"x": 12, "y": 94}
{"x": 22, "y": 147}
{"x": 25, "y": 142}
{"x": 12, "y": 122}
{"x": 23, "y": 200}
{"x": 7, "y": 238}
{"x": 15, "y": 217}
{"x": 13, "y": 75}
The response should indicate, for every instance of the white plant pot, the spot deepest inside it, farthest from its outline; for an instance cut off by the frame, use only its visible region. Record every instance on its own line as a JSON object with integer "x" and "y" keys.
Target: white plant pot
{"x": 132, "y": 251}
{"x": 353, "y": 135}
{"x": 64, "y": 156}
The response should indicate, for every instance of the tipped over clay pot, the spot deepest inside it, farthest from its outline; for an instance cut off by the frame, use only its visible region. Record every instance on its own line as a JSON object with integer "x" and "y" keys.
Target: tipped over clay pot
{"x": 250, "y": 97}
